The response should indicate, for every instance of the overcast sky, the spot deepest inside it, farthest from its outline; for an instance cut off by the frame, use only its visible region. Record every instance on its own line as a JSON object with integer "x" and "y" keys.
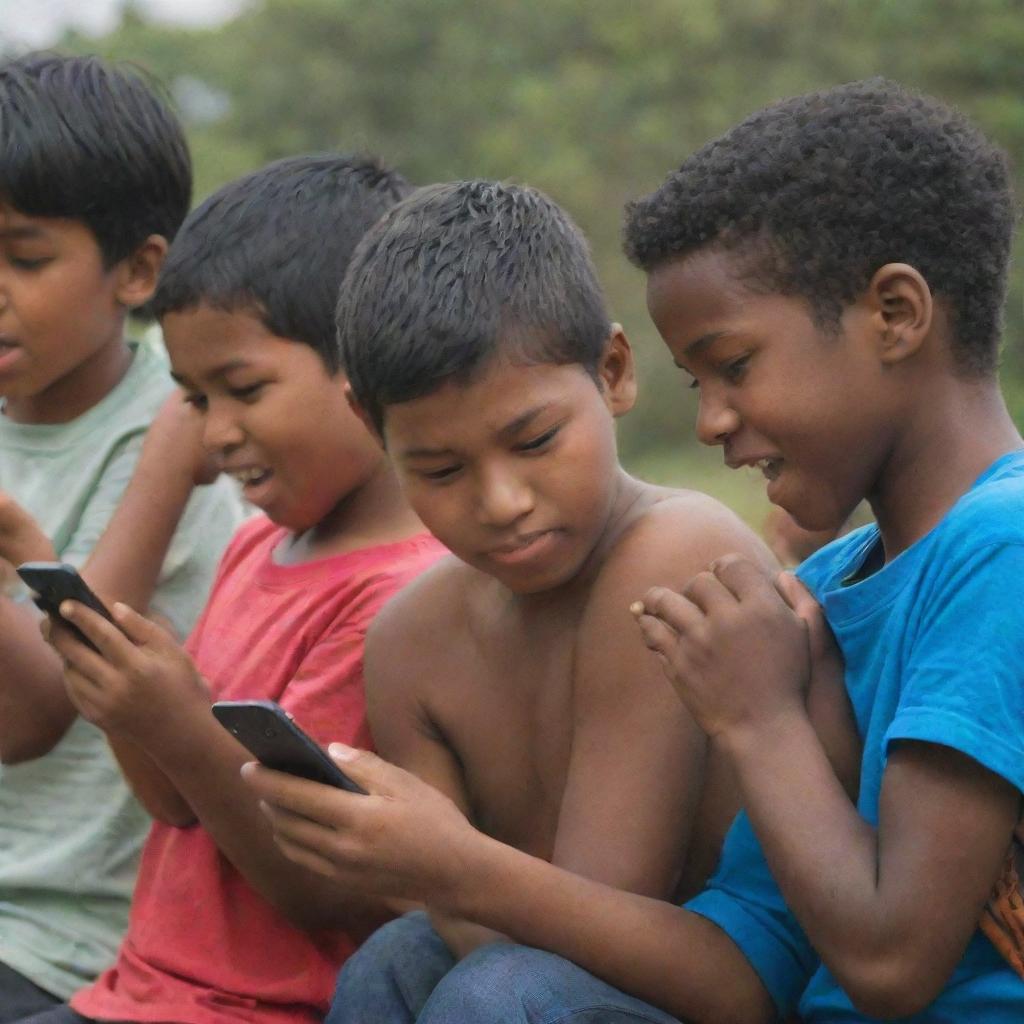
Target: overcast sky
{"x": 32, "y": 23}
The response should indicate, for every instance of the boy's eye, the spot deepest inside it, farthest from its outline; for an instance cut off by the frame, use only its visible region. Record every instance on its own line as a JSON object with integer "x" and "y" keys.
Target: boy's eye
{"x": 694, "y": 384}
{"x": 197, "y": 401}
{"x": 539, "y": 442}
{"x": 444, "y": 473}
{"x": 28, "y": 263}
{"x": 247, "y": 393}
{"x": 734, "y": 371}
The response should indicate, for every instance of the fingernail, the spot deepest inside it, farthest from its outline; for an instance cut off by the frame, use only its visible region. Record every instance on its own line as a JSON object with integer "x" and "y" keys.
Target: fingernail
{"x": 340, "y": 752}
{"x": 67, "y": 609}
{"x": 637, "y": 608}
{"x": 120, "y": 608}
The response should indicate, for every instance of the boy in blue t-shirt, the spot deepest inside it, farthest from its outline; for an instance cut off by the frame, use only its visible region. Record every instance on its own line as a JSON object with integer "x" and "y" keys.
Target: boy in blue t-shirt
{"x": 831, "y": 274}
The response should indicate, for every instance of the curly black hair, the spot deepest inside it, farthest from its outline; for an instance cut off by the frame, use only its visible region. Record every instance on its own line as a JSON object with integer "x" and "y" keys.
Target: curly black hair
{"x": 817, "y": 192}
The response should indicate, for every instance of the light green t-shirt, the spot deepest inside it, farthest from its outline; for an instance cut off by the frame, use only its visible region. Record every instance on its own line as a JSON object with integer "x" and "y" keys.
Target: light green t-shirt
{"x": 70, "y": 830}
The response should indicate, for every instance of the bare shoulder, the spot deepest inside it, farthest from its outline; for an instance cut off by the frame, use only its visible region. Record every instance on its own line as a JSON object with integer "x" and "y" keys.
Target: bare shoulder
{"x": 674, "y": 534}
{"x": 412, "y": 635}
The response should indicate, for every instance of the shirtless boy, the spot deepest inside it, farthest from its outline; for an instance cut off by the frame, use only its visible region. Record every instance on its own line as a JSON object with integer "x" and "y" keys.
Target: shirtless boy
{"x": 477, "y": 346}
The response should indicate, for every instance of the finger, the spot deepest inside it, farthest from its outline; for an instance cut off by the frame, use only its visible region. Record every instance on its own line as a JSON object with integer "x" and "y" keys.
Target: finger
{"x": 373, "y": 773}
{"x": 315, "y": 801}
{"x": 797, "y": 596}
{"x": 657, "y": 637}
{"x": 303, "y": 857}
{"x": 673, "y": 609}
{"x": 78, "y": 655}
{"x": 302, "y": 831}
{"x": 708, "y": 592}
{"x": 106, "y": 637}
{"x": 741, "y": 577}
{"x": 141, "y": 630}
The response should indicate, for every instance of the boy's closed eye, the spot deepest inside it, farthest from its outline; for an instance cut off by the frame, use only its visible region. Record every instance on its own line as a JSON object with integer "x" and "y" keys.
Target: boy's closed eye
{"x": 247, "y": 392}
{"x": 540, "y": 441}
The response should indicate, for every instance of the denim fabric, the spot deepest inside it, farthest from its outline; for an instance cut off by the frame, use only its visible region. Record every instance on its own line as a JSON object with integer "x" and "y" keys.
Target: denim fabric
{"x": 405, "y": 974}
{"x": 19, "y": 997}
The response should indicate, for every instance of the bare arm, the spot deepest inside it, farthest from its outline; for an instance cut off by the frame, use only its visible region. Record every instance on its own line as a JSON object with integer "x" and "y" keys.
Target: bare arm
{"x": 409, "y": 840}
{"x": 142, "y": 686}
{"x": 866, "y": 896}
{"x": 124, "y": 565}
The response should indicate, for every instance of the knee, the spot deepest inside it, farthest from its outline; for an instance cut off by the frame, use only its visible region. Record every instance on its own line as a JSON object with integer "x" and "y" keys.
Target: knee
{"x": 499, "y": 984}
{"x": 397, "y": 956}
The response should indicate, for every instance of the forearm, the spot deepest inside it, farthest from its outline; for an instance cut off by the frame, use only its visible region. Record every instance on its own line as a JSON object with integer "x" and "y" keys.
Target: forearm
{"x": 151, "y": 786}
{"x": 659, "y": 952}
{"x": 462, "y": 937}
{"x": 35, "y": 711}
{"x": 822, "y": 853}
{"x": 126, "y": 561}
{"x": 203, "y": 762}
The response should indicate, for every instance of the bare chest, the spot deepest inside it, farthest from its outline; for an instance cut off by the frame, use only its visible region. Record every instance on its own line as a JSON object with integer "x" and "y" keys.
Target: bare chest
{"x": 510, "y": 719}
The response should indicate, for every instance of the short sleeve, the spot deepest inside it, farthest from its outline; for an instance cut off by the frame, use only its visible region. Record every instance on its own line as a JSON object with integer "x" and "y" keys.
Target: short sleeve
{"x": 102, "y": 502}
{"x": 964, "y": 680}
{"x": 743, "y": 900}
{"x": 327, "y": 694}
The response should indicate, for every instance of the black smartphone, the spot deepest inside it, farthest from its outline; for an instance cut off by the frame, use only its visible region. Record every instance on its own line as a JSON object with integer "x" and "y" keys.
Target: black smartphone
{"x": 55, "y": 582}
{"x": 269, "y": 732}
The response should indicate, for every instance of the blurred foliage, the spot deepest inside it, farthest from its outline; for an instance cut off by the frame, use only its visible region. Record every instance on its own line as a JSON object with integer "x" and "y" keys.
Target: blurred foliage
{"x": 594, "y": 102}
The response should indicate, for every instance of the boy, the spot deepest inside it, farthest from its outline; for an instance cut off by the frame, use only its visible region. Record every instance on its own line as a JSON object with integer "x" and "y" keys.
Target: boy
{"x": 478, "y": 347}
{"x": 94, "y": 181}
{"x": 801, "y": 270}
{"x": 223, "y": 929}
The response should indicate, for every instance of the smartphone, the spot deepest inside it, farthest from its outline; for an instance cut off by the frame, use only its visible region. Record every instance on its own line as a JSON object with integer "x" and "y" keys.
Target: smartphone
{"x": 269, "y": 732}
{"x": 55, "y": 582}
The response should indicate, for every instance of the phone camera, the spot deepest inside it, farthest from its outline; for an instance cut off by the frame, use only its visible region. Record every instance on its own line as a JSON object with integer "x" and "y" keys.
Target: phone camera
{"x": 269, "y": 733}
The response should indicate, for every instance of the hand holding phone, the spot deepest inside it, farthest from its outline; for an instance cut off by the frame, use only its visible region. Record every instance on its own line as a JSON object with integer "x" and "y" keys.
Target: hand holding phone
{"x": 56, "y": 582}
{"x": 268, "y": 731}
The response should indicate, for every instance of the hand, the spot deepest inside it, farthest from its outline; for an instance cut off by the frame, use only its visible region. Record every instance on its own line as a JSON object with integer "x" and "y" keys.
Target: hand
{"x": 176, "y": 434}
{"x": 825, "y": 656}
{"x": 138, "y": 682}
{"x": 21, "y": 538}
{"x": 735, "y": 651}
{"x": 402, "y": 840}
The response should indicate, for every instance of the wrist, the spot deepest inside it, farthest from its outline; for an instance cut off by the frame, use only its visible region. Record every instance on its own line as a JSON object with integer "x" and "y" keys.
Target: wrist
{"x": 751, "y": 739}
{"x": 470, "y": 875}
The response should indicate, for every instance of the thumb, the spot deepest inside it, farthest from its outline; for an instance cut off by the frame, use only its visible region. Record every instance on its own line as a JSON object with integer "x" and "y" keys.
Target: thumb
{"x": 140, "y": 630}
{"x": 798, "y": 597}
{"x": 377, "y": 776}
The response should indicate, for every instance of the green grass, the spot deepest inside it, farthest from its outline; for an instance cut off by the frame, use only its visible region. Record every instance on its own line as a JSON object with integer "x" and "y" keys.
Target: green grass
{"x": 702, "y": 469}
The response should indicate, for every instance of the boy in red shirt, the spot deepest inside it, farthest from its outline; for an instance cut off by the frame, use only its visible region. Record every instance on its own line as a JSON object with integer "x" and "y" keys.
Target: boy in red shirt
{"x": 223, "y": 928}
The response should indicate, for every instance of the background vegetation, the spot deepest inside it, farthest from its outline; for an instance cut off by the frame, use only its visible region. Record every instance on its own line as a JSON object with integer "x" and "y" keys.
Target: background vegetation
{"x": 594, "y": 102}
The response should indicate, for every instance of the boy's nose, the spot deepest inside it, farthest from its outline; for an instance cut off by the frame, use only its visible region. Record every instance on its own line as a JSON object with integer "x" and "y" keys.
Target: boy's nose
{"x": 221, "y": 433}
{"x": 716, "y": 419}
{"x": 503, "y": 499}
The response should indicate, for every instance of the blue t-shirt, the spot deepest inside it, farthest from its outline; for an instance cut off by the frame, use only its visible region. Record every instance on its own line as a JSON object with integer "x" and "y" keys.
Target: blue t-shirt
{"x": 934, "y": 651}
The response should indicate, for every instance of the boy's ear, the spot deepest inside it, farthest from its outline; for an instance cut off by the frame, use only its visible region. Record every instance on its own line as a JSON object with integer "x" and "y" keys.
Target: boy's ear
{"x": 363, "y": 416}
{"x": 139, "y": 272}
{"x": 617, "y": 372}
{"x": 901, "y": 311}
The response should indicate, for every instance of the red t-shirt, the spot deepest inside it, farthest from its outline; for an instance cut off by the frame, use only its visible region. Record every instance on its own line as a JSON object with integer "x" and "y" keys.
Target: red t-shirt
{"x": 203, "y": 947}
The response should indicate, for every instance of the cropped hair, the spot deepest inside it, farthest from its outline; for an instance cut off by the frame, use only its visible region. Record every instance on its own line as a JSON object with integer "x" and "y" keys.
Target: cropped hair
{"x": 95, "y": 142}
{"x": 815, "y": 194}
{"x": 277, "y": 242}
{"x": 458, "y": 274}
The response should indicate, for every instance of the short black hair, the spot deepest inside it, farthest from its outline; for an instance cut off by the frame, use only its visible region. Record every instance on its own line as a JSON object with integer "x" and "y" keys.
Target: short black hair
{"x": 94, "y": 142}
{"x": 276, "y": 242}
{"x": 456, "y": 274}
{"x": 822, "y": 190}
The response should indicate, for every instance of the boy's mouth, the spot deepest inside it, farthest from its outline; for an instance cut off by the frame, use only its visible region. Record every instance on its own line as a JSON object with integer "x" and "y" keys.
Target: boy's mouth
{"x": 250, "y": 477}
{"x": 770, "y": 468}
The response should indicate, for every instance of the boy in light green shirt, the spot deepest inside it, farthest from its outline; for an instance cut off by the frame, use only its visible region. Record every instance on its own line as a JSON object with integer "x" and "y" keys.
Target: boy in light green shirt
{"x": 94, "y": 180}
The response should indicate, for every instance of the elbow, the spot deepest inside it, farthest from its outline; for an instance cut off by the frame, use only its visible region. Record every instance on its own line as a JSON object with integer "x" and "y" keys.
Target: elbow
{"x": 891, "y": 985}
{"x": 18, "y": 746}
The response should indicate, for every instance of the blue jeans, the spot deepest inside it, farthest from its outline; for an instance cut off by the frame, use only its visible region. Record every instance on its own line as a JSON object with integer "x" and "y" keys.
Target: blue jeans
{"x": 406, "y": 974}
